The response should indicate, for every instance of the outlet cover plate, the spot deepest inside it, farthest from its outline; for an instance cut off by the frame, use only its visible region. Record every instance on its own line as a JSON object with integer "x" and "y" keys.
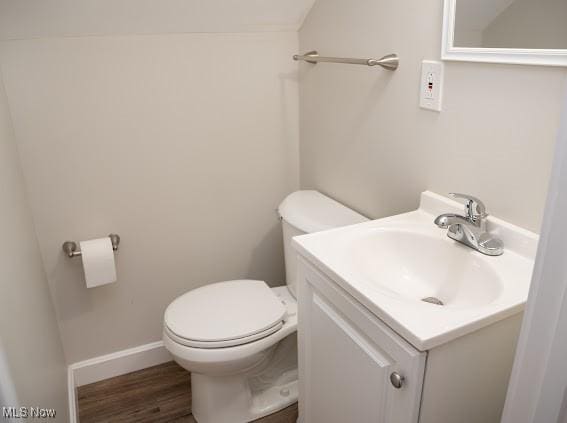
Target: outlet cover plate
{"x": 431, "y": 88}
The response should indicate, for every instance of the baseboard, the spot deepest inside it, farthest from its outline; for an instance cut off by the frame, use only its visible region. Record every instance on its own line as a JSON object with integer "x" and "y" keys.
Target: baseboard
{"x": 119, "y": 363}
{"x": 111, "y": 365}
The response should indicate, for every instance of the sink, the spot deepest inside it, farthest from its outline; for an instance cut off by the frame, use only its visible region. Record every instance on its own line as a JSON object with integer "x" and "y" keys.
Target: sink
{"x": 427, "y": 287}
{"x": 406, "y": 264}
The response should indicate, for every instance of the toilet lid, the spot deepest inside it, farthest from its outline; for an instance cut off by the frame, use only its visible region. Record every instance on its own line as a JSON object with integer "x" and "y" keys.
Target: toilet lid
{"x": 235, "y": 311}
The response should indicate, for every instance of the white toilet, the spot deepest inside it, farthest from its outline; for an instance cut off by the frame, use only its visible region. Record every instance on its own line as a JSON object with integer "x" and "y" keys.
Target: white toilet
{"x": 238, "y": 338}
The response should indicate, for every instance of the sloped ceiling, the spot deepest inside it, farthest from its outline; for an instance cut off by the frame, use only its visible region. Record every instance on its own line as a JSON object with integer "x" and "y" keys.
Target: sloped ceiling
{"x": 22, "y": 19}
{"x": 476, "y": 15}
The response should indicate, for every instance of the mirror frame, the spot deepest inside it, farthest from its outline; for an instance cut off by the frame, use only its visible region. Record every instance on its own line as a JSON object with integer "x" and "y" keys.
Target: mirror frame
{"x": 493, "y": 55}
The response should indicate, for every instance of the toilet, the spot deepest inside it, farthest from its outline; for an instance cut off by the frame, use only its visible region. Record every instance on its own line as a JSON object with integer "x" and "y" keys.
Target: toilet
{"x": 238, "y": 338}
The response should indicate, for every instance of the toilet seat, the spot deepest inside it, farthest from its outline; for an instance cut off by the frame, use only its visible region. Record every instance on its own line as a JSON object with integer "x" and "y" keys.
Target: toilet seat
{"x": 222, "y": 344}
{"x": 224, "y": 314}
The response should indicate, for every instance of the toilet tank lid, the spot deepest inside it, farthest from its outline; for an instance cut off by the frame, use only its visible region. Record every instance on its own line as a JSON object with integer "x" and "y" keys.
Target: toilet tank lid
{"x": 310, "y": 211}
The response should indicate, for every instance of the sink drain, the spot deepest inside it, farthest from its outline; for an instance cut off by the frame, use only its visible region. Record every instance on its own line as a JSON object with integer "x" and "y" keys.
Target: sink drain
{"x": 433, "y": 300}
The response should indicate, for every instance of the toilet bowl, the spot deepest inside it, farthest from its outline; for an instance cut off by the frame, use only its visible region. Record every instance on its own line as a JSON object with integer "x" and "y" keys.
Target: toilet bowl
{"x": 238, "y": 338}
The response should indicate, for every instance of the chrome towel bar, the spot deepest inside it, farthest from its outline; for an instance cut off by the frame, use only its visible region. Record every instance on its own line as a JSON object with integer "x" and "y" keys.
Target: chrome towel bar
{"x": 70, "y": 247}
{"x": 389, "y": 62}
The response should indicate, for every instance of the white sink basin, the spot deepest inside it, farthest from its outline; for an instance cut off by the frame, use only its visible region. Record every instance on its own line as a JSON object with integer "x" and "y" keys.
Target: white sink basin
{"x": 407, "y": 264}
{"x": 391, "y": 265}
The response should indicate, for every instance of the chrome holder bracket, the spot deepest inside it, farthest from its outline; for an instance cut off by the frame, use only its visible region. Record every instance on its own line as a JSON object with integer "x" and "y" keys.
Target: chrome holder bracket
{"x": 70, "y": 247}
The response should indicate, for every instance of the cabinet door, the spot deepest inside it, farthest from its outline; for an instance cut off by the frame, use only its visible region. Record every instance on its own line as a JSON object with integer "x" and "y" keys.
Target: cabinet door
{"x": 346, "y": 358}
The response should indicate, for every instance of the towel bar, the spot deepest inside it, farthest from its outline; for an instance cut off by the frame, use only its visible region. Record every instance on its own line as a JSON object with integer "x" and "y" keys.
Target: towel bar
{"x": 389, "y": 62}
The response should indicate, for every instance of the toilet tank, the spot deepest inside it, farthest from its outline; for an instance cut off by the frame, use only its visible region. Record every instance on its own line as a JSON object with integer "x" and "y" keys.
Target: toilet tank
{"x": 305, "y": 212}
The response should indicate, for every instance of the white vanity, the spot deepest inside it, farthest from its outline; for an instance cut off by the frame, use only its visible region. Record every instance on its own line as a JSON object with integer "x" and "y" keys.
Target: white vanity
{"x": 372, "y": 350}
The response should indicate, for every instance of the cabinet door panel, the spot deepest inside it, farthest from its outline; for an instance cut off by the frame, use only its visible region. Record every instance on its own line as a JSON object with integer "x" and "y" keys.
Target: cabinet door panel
{"x": 347, "y": 372}
{"x": 346, "y": 356}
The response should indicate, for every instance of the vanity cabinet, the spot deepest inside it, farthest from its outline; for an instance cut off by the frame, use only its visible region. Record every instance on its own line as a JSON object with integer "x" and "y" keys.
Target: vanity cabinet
{"x": 354, "y": 368}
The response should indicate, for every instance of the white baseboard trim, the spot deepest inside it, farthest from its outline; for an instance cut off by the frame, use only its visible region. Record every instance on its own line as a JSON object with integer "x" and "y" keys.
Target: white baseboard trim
{"x": 119, "y": 363}
{"x": 111, "y": 365}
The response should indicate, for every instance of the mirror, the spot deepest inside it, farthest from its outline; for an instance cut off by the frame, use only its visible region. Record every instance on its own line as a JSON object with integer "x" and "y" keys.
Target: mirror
{"x": 506, "y": 31}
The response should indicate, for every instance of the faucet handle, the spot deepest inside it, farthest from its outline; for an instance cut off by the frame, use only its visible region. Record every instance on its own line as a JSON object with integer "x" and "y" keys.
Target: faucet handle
{"x": 474, "y": 208}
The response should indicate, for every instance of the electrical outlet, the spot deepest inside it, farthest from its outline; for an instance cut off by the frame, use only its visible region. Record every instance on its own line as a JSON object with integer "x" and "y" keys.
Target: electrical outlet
{"x": 430, "y": 84}
{"x": 431, "y": 88}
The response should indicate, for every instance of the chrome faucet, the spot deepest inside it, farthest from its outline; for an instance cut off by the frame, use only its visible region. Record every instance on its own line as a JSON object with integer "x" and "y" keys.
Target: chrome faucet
{"x": 471, "y": 228}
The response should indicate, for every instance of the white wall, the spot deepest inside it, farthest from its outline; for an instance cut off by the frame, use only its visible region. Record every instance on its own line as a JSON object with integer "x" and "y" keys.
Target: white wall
{"x": 25, "y": 19}
{"x": 365, "y": 141}
{"x": 182, "y": 144}
{"x": 32, "y": 366}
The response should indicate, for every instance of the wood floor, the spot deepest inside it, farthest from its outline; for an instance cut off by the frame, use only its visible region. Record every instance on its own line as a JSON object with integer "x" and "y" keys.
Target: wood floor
{"x": 159, "y": 394}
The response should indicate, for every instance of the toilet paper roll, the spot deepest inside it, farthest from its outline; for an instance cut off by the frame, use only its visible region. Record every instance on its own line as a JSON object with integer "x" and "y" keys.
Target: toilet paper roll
{"x": 98, "y": 262}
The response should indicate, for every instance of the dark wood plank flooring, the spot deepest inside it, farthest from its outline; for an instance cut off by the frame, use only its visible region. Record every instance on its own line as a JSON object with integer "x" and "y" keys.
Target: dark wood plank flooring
{"x": 159, "y": 394}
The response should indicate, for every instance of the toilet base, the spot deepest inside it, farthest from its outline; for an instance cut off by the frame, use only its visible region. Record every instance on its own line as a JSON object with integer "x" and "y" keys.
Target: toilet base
{"x": 231, "y": 401}
{"x": 248, "y": 396}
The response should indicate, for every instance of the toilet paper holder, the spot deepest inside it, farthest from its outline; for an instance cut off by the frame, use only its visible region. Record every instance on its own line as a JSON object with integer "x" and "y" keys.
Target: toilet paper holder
{"x": 70, "y": 247}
